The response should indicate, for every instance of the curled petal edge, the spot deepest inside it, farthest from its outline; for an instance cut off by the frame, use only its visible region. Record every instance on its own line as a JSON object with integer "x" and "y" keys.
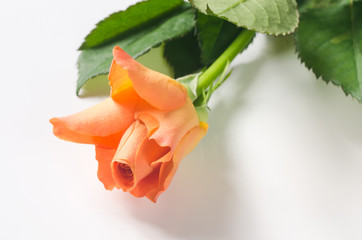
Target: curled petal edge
{"x": 155, "y": 88}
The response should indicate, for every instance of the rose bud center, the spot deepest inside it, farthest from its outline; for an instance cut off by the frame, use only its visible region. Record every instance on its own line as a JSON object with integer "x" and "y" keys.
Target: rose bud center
{"x": 125, "y": 171}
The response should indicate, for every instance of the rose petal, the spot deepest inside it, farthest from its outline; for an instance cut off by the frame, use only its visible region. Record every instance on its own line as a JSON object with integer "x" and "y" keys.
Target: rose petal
{"x": 122, "y": 90}
{"x": 147, "y": 184}
{"x": 157, "y": 89}
{"x": 168, "y": 170}
{"x": 165, "y": 158}
{"x": 144, "y": 169}
{"x": 150, "y": 152}
{"x": 173, "y": 125}
{"x": 102, "y": 124}
{"x": 126, "y": 171}
{"x": 104, "y": 157}
{"x": 150, "y": 122}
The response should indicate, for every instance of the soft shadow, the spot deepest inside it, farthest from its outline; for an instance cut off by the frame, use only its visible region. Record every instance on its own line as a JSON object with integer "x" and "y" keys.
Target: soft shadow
{"x": 200, "y": 202}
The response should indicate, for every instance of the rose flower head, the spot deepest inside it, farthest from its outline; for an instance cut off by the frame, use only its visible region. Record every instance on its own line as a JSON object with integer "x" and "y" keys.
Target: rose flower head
{"x": 141, "y": 132}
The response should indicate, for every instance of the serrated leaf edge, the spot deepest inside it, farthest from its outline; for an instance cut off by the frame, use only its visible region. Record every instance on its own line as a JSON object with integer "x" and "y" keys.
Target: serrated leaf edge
{"x": 85, "y": 46}
{"x": 320, "y": 76}
{"x": 78, "y": 88}
{"x": 210, "y": 12}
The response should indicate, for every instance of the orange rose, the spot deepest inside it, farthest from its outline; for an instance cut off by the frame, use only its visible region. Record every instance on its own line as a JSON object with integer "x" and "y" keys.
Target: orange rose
{"x": 141, "y": 132}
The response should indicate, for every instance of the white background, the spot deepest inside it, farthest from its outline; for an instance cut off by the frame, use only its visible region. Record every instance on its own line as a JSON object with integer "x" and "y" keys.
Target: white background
{"x": 282, "y": 158}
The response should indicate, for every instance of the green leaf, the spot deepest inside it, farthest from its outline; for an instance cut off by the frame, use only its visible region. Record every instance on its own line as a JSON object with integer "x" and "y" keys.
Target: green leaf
{"x": 190, "y": 82}
{"x": 215, "y": 35}
{"x": 123, "y": 22}
{"x": 329, "y": 41}
{"x": 304, "y": 4}
{"x": 183, "y": 54}
{"x": 95, "y": 62}
{"x": 266, "y": 16}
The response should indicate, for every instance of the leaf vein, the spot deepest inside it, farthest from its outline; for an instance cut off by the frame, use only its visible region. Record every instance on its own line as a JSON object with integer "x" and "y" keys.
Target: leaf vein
{"x": 232, "y": 6}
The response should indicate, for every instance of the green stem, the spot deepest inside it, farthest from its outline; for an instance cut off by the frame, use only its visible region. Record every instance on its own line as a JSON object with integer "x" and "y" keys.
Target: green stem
{"x": 238, "y": 45}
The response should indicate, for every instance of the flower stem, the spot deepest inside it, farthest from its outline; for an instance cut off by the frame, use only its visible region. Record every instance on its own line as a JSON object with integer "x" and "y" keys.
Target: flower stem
{"x": 238, "y": 45}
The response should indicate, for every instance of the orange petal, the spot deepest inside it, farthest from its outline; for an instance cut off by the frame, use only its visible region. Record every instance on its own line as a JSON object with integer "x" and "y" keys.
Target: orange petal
{"x": 122, "y": 90}
{"x": 173, "y": 125}
{"x": 150, "y": 122}
{"x": 165, "y": 158}
{"x": 157, "y": 89}
{"x": 104, "y": 157}
{"x": 148, "y": 184}
{"x": 168, "y": 170}
{"x": 150, "y": 153}
{"x": 102, "y": 124}
{"x": 155, "y": 192}
{"x": 126, "y": 171}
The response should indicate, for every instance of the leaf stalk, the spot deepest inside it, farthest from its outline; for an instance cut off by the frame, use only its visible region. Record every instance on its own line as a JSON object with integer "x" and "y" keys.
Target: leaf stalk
{"x": 238, "y": 45}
